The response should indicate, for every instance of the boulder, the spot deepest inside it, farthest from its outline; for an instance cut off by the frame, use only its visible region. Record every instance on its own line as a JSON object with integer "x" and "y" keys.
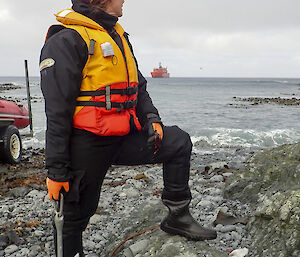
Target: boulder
{"x": 270, "y": 184}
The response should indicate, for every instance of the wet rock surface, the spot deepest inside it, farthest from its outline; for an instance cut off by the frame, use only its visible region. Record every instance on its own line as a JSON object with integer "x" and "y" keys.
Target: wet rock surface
{"x": 271, "y": 185}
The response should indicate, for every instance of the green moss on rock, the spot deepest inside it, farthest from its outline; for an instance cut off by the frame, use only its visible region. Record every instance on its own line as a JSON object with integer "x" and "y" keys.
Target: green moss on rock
{"x": 271, "y": 185}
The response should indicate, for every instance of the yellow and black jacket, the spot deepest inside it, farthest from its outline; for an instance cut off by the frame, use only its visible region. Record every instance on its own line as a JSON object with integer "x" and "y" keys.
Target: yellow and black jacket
{"x": 83, "y": 89}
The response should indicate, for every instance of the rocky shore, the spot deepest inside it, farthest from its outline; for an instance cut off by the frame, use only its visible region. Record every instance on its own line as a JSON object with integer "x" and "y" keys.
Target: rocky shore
{"x": 8, "y": 86}
{"x": 293, "y": 101}
{"x": 254, "y": 209}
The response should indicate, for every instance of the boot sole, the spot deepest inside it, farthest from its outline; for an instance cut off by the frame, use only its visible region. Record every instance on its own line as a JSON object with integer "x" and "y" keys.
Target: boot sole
{"x": 174, "y": 231}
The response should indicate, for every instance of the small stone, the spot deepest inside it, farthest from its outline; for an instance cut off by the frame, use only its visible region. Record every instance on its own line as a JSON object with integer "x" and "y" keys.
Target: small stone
{"x": 131, "y": 192}
{"x": 36, "y": 194}
{"x": 217, "y": 178}
{"x": 128, "y": 253}
{"x": 24, "y": 252}
{"x": 239, "y": 252}
{"x": 139, "y": 246}
{"x": 95, "y": 219}
{"x": 226, "y": 229}
{"x": 227, "y": 219}
{"x": 205, "y": 204}
{"x": 39, "y": 233}
{"x": 4, "y": 241}
{"x": 141, "y": 176}
{"x": 10, "y": 249}
{"x": 19, "y": 191}
{"x": 35, "y": 248}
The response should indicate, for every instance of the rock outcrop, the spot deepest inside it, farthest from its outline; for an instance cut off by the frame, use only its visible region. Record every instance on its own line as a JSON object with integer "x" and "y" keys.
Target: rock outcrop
{"x": 270, "y": 184}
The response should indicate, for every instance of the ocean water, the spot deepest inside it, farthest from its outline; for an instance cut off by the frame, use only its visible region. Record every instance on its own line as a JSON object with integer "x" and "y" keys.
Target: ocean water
{"x": 206, "y": 108}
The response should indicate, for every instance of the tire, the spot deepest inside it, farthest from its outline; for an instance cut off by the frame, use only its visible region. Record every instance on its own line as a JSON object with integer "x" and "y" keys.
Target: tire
{"x": 11, "y": 145}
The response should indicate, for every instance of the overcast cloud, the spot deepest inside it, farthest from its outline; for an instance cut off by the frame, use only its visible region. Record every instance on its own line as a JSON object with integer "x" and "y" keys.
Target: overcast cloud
{"x": 194, "y": 38}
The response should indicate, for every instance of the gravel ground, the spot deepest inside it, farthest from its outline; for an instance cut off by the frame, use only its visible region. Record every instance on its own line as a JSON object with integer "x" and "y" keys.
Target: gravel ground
{"x": 130, "y": 203}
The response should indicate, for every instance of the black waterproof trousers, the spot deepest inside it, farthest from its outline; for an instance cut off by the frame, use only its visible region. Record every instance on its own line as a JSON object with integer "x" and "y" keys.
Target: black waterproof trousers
{"x": 92, "y": 155}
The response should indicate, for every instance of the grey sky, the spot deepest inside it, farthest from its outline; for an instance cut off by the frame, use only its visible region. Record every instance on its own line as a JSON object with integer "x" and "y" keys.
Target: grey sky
{"x": 194, "y": 38}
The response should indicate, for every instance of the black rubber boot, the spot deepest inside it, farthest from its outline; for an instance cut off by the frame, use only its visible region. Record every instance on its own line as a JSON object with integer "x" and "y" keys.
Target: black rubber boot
{"x": 180, "y": 222}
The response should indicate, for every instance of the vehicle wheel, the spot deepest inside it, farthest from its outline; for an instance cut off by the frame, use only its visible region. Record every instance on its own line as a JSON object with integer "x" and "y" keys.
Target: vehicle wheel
{"x": 11, "y": 145}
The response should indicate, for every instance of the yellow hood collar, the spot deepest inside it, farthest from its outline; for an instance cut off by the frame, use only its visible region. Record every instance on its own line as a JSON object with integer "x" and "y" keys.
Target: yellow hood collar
{"x": 70, "y": 17}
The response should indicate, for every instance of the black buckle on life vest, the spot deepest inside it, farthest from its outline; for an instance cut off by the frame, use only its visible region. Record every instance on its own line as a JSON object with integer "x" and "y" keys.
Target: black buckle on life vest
{"x": 127, "y": 105}
{"x": 129, "y": 91}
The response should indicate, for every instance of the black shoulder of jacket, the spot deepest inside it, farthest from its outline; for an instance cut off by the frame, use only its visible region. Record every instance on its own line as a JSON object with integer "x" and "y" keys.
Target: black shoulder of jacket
{"x": 53, "y": 30}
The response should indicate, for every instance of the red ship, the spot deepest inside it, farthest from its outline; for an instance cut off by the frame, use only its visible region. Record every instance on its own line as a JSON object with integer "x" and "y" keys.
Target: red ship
{"x": 160, "y": 72}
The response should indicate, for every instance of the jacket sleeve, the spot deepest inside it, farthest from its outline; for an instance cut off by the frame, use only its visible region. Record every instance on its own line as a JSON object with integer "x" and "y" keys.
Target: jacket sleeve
{"x": 146, "y": 111}
{"x": 65, "y": 53}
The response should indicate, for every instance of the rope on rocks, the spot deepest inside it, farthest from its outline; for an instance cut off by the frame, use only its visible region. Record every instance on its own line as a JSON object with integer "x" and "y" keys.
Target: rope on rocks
{"x": 124, "y": 241}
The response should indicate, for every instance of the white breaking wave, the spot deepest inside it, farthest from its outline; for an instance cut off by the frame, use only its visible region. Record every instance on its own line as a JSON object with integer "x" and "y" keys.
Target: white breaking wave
{"x": 37, "y": 141}
{"x": 224, "y": 137}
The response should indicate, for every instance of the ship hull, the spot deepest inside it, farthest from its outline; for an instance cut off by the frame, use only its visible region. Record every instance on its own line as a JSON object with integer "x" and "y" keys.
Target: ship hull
{"x": 160, "y": 75}
{"x": 160, "y": 72}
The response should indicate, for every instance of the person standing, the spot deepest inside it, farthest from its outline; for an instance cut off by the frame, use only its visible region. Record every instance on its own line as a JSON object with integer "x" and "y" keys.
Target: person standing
{"x": 99, "y": 113}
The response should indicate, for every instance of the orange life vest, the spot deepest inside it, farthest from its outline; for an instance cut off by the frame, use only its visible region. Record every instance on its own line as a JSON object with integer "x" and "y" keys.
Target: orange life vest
{"x": 108, "y": 93}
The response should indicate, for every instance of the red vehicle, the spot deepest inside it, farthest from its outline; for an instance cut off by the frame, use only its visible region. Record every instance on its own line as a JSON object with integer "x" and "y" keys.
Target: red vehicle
{"x": 160, "y": 72}
{"x": 12, "y": 118}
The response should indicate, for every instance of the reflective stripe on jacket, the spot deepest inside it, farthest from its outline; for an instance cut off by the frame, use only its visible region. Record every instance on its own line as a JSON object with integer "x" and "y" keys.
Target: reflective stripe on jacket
{"x": 108, "y": 93}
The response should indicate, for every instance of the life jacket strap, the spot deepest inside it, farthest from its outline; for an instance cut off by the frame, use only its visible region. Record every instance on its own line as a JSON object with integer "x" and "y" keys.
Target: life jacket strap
{"x": 125, "y": 105}
{"x": 126, "y": 91}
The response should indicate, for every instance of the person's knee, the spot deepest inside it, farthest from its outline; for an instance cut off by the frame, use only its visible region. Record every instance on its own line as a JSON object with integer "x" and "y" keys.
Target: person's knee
{"x": 183, "y": 140}
{"x": 188, "y": 142}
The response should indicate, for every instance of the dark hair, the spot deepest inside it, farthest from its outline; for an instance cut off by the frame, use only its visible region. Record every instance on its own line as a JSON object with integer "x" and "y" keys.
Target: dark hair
{"x": 99, "y": 4}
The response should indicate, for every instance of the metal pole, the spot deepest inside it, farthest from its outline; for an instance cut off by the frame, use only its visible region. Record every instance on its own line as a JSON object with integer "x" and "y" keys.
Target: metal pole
{"x": 59, "y": 223}
{"x": 28, "y": 98}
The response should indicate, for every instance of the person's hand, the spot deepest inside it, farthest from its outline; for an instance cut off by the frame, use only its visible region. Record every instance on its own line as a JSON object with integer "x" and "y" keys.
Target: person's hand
{"x": 155, "y": 133}
{"x": 55, "y": 187}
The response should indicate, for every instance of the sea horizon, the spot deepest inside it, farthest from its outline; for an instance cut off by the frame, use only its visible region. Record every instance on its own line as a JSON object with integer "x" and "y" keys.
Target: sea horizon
{"x": 189, "y": 77}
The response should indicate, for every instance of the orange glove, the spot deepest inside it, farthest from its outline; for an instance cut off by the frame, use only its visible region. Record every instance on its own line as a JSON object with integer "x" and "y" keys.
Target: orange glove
{"x": 55, "y": 187}
{"x": 157, "y": 127}
{"x": 155, "y": 134}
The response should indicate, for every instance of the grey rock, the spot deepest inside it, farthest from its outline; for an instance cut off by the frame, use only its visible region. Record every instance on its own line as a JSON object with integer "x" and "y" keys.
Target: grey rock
{"x": 4, "y": 241}
{"x": 19, "y": 191}
{"x": 10, "y": 249}
{"x": 139, "y": 246}
{"x": 36, "y": 194}
{"x": 271, "y": 185}
{"x": 128, "y": 253}
{"x": 24, "y": 252}
{"x": 38, "y": 233}
{"x": 239, "y": 252}
{"x": 95, "y": 219}
{"x": 225, "y": 229}
{"x": 217, "y": 178}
